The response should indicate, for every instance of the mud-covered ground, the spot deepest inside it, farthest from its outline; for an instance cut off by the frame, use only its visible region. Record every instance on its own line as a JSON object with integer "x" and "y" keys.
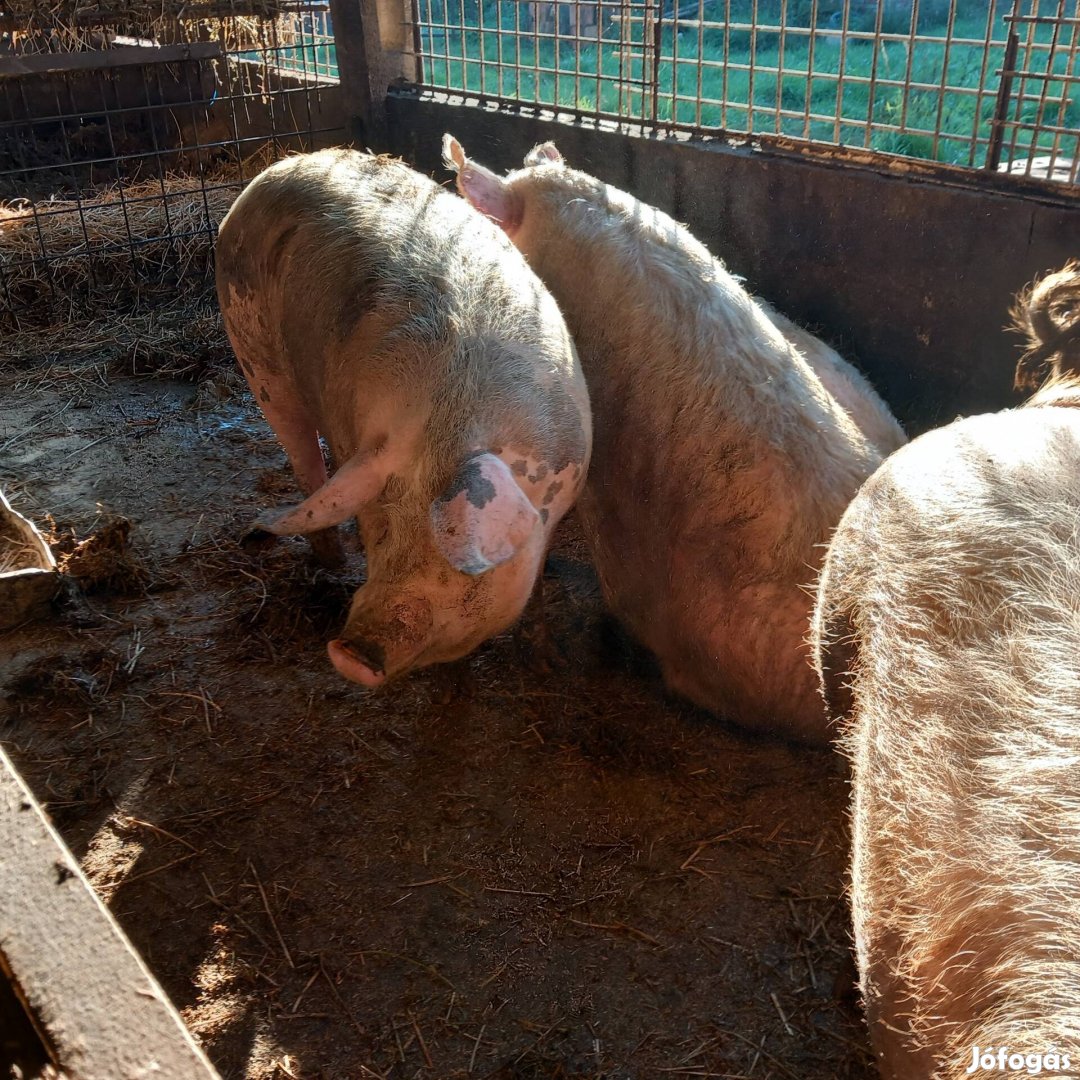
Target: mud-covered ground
{"x": 492, "y": 873}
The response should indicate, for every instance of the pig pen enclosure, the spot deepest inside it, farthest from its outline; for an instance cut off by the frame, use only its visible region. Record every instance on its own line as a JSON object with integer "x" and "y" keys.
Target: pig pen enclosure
{"x": 488, "y": 869}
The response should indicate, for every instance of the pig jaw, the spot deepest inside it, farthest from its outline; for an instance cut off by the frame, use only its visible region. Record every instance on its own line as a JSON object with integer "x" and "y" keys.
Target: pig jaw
{"x": 382, "y": 641}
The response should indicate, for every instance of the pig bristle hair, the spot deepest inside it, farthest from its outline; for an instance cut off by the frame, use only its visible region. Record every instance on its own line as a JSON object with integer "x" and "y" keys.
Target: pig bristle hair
{"x": 448, "y": 144}
{"x": 1047, "y": 313}
{"x": 961, "y": 598}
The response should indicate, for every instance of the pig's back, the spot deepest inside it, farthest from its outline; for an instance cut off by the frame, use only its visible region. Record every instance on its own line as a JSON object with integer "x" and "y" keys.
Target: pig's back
{"x": 367, "y": 277}
{"x": 338, "y": 234}
{"x": 674, "y": 346}
{"x": 956, "y": 572}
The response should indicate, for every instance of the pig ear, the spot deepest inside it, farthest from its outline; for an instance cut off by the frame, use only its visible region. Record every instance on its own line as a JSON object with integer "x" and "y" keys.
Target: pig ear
{"x": 482, "y": 519}
{"x": 453, "y": 155}
{"x": 490, "y": 194}
{"x": 544, "y": 152}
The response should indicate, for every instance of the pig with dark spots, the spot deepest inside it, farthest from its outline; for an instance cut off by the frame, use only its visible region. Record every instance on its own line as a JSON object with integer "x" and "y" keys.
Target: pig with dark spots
{"x": 947, "y": 637}
{"x": 369, "y": 306}
{"x": 727, "y": 440}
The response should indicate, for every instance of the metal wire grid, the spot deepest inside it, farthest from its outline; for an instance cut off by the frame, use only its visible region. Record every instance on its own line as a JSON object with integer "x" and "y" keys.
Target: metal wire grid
{"x": 1036, "y": 128}
{"x": 91, "y": 151}
{"x": 934, "y": 79}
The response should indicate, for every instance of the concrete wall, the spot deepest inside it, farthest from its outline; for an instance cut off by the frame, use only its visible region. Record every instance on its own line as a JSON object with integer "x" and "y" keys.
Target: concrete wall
{"x": 911, "y": 277}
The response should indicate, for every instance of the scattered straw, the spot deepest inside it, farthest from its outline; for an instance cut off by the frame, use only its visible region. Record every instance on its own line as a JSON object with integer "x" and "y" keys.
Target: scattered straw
{"x": 123, "y": 242}
{"x": 16, "y": 554}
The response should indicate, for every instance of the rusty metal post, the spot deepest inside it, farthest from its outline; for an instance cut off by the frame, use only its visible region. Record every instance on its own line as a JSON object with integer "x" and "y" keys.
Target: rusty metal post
{"x": 1004, "y": 94}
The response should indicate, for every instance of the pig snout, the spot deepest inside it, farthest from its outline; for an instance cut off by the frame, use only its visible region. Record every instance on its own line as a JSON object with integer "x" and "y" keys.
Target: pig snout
{"x": 371, "y": 650}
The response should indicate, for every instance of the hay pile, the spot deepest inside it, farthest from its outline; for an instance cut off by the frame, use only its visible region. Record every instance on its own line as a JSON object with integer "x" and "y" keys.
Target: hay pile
{"x": 73, "y": 25}
{"x": 123, "y": 275}
{"x": 182, "y": 339}
{"x": 121, "y": 246}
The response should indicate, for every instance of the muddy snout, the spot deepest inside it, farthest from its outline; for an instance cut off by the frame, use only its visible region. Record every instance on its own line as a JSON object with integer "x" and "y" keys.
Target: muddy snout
{"x": 372, "y": 650}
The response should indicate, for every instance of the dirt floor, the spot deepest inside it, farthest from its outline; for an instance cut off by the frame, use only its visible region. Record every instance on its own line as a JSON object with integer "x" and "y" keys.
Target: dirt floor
{"x": 498, "y": 874}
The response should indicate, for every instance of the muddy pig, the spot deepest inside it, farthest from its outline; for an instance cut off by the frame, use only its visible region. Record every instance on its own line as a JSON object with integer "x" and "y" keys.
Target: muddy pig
{"x": 947, "y": 638}
{"x": 725, "y": 450}
{"x": 367, "y": 305}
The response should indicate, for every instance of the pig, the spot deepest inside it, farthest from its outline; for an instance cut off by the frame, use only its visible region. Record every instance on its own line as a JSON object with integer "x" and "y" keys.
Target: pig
{"x": 727, "y": 444}
{"x": 947, "y": 641}
{"x": 369, "y": 306}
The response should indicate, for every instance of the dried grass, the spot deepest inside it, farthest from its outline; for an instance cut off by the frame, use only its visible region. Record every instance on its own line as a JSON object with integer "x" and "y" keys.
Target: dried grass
{"x": 120, "y": 243}
{"x": 17, "y": 554}
{"x": 124, "y": 271}
{"x": 72, "y": 25}
{"x": 184, "y": 339}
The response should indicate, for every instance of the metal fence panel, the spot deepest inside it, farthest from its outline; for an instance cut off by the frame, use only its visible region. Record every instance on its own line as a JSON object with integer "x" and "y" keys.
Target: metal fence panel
{"x": 963, "y": 82}
{"x": 126, "y": 133}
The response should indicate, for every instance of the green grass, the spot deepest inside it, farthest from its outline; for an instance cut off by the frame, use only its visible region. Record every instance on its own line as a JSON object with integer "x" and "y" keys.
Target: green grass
{"x": 501, "y": 60}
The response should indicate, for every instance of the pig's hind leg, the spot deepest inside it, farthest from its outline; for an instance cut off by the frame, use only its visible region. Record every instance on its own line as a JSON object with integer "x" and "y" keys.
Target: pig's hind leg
{"x": 299, "y": 439}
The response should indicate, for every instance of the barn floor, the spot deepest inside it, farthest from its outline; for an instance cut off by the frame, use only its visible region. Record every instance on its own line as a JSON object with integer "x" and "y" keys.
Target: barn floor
{"x": 498, "y": 874}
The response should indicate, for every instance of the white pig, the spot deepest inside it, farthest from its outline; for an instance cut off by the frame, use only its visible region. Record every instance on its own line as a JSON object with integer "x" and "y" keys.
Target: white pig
{"x": 725, "y": 448}
{"x": 947, "y": 636}
{"x": 368, "y": 305}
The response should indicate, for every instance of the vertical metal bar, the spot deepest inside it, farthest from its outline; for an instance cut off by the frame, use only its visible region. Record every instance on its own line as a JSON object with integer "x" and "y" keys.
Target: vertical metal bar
{"x": 878, "y": 46}
{"x": 537, "y": 22}
{"x": 480, "y": 36}
{"x": 599, "y": 58}
{"x": 1070, "y": 82}
{"x": 727, "y": 57}
{"x": 780, "y": 68}
{"x": 810, "y": 68}
{"x": 753, "y": 63}
{"x": 905, "y": 99}
{"x": 1001, "y": 106}
{"x": 1036, "y": 129}
{"x": 938, "y": 116}
{"x": 1022, "y": 67}
{"x": 656, "y": 15}
{"x": 418, "y": 42}
{"x": 841, "y": 64}
{"x": 981, "y": 94}
{"x": 517, "y": 48}
{"x": 700, "y": 61}
{"x": 499, "y": 61}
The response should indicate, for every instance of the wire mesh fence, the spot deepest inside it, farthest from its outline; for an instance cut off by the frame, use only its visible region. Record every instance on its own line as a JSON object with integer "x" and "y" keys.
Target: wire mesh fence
{"x": 966, "y": 82}
{"x": 126, "y": 131}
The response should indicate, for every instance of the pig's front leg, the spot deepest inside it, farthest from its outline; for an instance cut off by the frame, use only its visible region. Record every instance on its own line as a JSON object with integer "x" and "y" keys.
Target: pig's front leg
{"x": 300, "y": 440}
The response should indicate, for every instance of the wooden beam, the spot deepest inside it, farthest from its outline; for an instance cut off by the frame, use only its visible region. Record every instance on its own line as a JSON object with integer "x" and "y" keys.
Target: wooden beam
{"x": 100, "y": 1012}
{"x": 354, "y": 73}
{"x": 105, "y": 59}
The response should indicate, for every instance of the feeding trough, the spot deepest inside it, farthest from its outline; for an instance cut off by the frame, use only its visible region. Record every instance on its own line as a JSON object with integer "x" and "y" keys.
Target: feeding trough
{"x": 28, "y": 575}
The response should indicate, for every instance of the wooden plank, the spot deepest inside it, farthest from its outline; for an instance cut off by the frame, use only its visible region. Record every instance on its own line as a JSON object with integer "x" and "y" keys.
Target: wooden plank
{"x": 100, "y": 1010}
{"x": 106, "y": 59}
{"x": 361, "y": 124}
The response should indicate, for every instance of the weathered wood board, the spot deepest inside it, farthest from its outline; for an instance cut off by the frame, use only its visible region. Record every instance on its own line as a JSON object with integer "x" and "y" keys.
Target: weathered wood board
{"x": 98, "y": 1010}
